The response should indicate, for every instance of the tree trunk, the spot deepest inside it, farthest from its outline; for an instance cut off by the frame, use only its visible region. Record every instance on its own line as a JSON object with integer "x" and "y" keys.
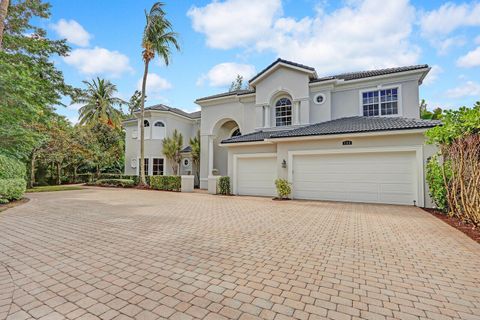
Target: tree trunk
{"x": 3, "y": 16}
{"x": 74, "y": 174}
{"x": 142, "y": 128}
{"x": 98, "y": 171}
{"x": 59, "y": 173}
{"x": 32, "y": 169}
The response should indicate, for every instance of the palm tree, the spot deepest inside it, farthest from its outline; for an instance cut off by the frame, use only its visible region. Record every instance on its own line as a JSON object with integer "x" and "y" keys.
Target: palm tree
{"x": 98, "y": 103}
{"x": 171, "y": 149}
{"x": 195, "y": 145}
{"x": 158, "y": 37}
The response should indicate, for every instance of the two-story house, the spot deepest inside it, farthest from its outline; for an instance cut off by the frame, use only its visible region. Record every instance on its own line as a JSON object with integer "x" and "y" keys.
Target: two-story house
{"x": 349, "y": 137}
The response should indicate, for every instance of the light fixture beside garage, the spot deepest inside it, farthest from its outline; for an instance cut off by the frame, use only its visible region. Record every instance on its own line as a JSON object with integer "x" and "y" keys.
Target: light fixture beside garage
{"x": 284, "y": 163}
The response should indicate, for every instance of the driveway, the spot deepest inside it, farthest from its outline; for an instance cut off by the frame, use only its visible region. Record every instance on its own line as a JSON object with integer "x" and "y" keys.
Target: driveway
{"x": 123, "y": 254}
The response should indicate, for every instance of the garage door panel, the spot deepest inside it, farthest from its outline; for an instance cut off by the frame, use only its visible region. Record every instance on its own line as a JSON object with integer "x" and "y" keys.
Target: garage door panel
{"x": 358, "y": 177}
{"x": 256, "y": 176}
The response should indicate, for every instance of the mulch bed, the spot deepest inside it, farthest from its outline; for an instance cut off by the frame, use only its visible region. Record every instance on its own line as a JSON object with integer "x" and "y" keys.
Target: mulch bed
{"x": 12, "y": 204}
{"x": 466, "y": 228}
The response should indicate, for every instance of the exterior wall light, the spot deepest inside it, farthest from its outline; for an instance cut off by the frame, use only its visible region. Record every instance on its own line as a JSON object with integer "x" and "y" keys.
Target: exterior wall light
{"x": 284, "y": 163}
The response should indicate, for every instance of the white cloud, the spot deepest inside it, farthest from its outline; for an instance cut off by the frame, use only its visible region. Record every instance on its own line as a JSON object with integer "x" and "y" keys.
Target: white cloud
{"x": 224, "y": 73}
{"x": 449, "y": 17}
{"x": 471, "y": 59}
{"x": 468, "y": 89}
{"x": 432, "y": 76}
{"x": 361, "y": 35}
{"x": 74, "y": 106}
{"x": 99, "y": 61}
{"x": 72, "y": 31}
{"x": 477, "y": 40}
{"x": 155, "y": 86}
{"x": 234, "y": 23}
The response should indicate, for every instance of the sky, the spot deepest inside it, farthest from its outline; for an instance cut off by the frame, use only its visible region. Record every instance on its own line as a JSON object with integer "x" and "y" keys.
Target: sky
{"x": 222, "y": 38}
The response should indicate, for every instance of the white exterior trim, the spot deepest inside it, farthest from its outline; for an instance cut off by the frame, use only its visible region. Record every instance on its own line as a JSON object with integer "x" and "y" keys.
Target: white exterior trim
{"x": 278, "y": 65}
{"x": 247, "y": 155}
{"x": 419, "y": 176}
{"x": 378, "y": 88}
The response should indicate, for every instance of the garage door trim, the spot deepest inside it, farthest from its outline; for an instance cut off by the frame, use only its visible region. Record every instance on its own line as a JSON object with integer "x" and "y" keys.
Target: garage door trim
{"x": 243, "y": 156}
{"x": 419, "y": 177}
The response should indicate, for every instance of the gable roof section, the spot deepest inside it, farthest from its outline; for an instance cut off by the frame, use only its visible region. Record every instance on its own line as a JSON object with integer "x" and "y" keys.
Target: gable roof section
{"x": 370, "y": 73}
{"x": 282, "y": 61}
{"x": 340, "y": 126}
{"x": 227, "y": 94}
{"x": 162, "y": 107}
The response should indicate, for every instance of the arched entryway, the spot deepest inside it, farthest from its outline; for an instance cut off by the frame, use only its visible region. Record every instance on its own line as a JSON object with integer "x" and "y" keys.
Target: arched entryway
{"x": 218, "y": 156}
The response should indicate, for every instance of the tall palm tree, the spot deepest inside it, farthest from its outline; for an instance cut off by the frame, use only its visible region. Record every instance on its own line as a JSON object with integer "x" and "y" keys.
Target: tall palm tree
{"x": 158, "y": 38}
{"x": 98, "y": 103}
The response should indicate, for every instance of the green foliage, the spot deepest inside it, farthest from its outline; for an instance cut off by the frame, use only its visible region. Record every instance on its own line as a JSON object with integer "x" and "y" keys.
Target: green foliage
{"x": 98, "y": 103}
{"x": 436, "y": 182}
{"x": 30, "y": 84}
{"x": 166, "y": 183}
{"x": 11, "y": 168}
{"x": 12, "y": 189}
{"x": 124, "y": 183}
{"x": 195, "y": 145}
{"x": 135, "y": 102}
{"x": 284, "y": 188}
{"x": 436, "y": 114}
{"x": 54, "y": 188}
{"x": 456, "y": 124}
{"x": 171, "y": 148}
{"x": 223, "y": 186}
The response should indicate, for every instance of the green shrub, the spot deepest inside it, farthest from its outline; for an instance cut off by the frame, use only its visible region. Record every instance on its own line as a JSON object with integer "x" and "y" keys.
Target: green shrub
{"x": 223, "y": 186}
{"x": 11, "y": 168}
{"x": 124, "y": 183}
{"x": 166, "y": 183}
{"x": 119, "y": 176}
{"x": 436, "y": 184}
{"x": 284, "y": 188}
{"x": 12, "y": 189}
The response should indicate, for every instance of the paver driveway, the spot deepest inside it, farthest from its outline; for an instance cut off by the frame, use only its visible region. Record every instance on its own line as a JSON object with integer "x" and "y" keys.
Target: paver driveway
{"x": 119, "y": 254}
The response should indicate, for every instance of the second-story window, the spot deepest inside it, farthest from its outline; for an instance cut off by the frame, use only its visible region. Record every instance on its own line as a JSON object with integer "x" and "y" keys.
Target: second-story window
{"x": 380, "y": 102}
{"x": 283, "y": 112}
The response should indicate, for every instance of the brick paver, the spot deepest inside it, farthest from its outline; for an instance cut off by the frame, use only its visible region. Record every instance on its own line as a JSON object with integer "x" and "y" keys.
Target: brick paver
{"x": 131, "y": 254}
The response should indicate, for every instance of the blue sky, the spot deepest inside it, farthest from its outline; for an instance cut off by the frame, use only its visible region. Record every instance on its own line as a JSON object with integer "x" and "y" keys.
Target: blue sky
{"x": 222, "y": 38}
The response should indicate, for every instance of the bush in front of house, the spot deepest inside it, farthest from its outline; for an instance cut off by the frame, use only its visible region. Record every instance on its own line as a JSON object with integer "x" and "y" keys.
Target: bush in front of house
{"x": 223, "y": 186}
{"x": 436, "y": 184}
{"x": 12, "y": 179}
{"x": 284, "y": 189}
{"x": 123, "y": 183}
{"x": 166, "y": 183}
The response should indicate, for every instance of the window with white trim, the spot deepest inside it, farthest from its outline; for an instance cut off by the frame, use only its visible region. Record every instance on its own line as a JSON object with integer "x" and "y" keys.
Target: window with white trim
{"x": 146, "y": 162}
{"x": 157, "y": 167}
{"x": 158, "y": 131}
{"x": 283, "y": 112}
{"x": 382, "y": 102}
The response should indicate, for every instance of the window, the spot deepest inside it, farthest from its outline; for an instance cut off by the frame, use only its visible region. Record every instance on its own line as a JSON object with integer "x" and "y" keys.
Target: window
{"x": 236, "y": 133}
{"x": 157, "y": 169}
{"x": 158, "y": 130}
{"x": 319, "y": 98}
{"x": 146, "y": 123}
{"x": 381, "y": 102}
{"x": 283, "y": 112}
{"x": 145, "y": 167}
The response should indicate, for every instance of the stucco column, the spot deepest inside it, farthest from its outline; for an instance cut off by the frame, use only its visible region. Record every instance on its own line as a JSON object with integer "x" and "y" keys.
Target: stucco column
{"x": 296, "y": 110}
{"x": 210, "y": 155}
{"x": 266, "y": 116}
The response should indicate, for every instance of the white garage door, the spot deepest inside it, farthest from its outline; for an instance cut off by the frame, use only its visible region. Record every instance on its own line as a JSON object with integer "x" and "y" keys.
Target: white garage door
{"x": 256, "y": 176}
{"x": 357, "y": 177}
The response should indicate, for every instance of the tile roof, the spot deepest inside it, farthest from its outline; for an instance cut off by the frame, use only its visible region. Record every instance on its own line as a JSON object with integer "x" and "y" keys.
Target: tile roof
{"x": 279, "y": 60}
{"x": 251, "y": 137}
{"x": 339, "y": 126}
{"x": 226, "y": 94}
{"x": 162, "y": 107}
{"x": 356, "y": 125}
{"x": 370, "y": 73}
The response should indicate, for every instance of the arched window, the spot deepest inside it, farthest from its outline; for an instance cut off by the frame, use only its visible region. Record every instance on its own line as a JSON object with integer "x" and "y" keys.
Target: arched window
{"x": 283, "y": 112}
{"x": 146, "y": 123}
{"x": 236, "y": 133}
{"x": 158, "y": 130}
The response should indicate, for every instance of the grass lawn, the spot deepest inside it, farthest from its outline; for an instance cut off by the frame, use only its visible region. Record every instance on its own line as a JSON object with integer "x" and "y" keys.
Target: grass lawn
{"x": 54, "y": 188}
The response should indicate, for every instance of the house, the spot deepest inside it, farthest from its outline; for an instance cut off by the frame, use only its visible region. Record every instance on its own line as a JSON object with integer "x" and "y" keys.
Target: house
{"x": 349, "y": 137}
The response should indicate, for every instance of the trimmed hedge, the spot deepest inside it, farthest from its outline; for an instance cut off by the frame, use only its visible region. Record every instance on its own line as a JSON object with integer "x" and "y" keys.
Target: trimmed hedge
{"x": 11, "y": 168}
{"x": 124, "y": 183}
{"x": 166, "y": 183}
{"x": 12, "y": 189}
{"x": 12, "y": 179}
{"x": 223, "y": 186}
{"x": 284, "y": 188}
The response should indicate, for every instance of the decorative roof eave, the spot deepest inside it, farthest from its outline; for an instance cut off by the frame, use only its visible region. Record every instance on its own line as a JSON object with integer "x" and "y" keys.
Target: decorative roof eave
{"x": 282, "y": 63}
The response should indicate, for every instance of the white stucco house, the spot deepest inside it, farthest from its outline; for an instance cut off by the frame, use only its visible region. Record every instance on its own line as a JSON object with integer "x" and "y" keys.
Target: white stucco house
{"x": 349, "y": 137}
